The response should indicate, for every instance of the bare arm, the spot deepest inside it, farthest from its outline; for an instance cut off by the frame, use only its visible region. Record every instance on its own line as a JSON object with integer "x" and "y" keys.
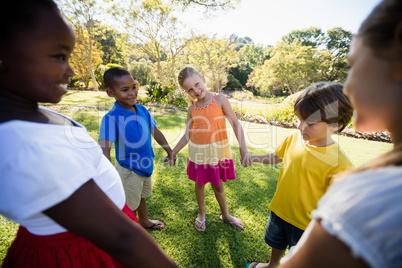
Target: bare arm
{"x": 91, "y": 214}
{"x": 237, "y": 128}
{"x": 186, "y": 137}
{"x": 320, "y": 249}
{"x": 161, "y": 140}
{"x": 106, "y": 146}
{"x": 270, "y": 158}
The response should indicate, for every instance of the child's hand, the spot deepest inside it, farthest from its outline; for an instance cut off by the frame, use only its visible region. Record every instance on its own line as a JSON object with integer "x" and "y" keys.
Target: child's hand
{"x": 246, "y": 160}
{"x": 170, "y": 160}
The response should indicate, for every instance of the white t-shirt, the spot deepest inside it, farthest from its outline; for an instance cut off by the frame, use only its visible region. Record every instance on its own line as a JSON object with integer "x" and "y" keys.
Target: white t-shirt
{"x": 43, "y": 164}
{"x": 364, "y": 211}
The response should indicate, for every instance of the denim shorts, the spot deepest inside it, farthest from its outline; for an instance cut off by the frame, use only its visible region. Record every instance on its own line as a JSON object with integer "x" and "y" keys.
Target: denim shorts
{"x": 280, "y": 234}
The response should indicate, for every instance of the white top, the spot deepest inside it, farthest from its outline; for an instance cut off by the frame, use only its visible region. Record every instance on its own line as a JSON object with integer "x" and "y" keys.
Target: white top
{"x": 364, "y": 211}
{"x": 43, "y": 164}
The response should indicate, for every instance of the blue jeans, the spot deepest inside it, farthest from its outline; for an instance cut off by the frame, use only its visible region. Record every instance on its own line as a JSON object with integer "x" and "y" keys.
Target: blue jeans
{"x": 280, "y": 234}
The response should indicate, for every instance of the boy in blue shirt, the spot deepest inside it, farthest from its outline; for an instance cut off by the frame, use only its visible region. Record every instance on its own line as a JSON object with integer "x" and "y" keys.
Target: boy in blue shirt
{"x": 130, "y": 126}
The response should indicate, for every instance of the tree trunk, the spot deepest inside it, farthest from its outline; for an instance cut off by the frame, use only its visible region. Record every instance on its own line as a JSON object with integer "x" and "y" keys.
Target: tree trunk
{"x": 91, "y": 71}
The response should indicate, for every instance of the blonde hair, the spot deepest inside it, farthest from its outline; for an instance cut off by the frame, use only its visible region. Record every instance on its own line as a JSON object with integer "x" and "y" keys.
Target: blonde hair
{"x": 183, "y": 75}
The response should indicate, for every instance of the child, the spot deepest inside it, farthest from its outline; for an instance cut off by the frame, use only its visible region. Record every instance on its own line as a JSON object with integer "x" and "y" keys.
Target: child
{"x": 310, "y": 159}
{"x": 55, "y": 181}
{"x": 130, "y": 126}
{"x": 209, "y": 157}
{"x": 358, "y": 222}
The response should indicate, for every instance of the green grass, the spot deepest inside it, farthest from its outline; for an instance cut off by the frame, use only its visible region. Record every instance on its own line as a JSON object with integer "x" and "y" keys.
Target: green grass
{"x": 173, "y": 199}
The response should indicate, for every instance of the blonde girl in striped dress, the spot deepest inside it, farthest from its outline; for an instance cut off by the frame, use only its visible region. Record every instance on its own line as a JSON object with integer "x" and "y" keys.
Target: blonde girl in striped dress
{"x": 209, "y": 158}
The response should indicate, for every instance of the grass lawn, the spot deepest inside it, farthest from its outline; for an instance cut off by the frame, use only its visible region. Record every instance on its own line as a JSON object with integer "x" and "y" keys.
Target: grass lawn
{"x": 173, "y": 199}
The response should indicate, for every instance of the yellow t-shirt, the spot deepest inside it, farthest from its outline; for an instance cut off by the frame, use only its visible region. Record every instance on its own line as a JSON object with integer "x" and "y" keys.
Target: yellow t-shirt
{"x": 305, "y": 176}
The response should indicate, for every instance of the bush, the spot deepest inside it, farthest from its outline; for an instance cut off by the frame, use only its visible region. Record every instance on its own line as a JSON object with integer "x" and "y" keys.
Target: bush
{"x": 178, "y": 98}
{"x": 158, "y": 92}
{"x": 101, "y": 70}
{"x": 74, "y": 81}
{"x": 242, "y": 95}
{"x": 141, "y": 70}
{"x": 281, "y": 112}
{"x": 233, "y": 84}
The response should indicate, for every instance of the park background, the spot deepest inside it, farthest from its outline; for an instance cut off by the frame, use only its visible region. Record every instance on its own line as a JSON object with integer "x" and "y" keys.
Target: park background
{"x": 261, "y": 79}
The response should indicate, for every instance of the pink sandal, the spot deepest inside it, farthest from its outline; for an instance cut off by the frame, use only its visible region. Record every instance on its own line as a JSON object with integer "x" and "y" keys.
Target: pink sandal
{"x": 236, "y": 224}
{"x": 201, "y": 224}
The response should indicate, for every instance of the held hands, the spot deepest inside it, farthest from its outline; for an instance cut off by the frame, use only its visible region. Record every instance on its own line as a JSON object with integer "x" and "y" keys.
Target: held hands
{"x": 246, "y": 159}
{"x": 170, "y": 159}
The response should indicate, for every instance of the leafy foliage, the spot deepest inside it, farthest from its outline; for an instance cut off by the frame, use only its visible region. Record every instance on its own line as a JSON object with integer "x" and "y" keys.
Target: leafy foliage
{"x": 212, "y": 57}
{"x": 302, "y": 58}
{"x": 157, "y": 92}
{"x": 114, "y": 45}
{"x": 208, "y": 5}
{"x": 167, "y": 94}
{"x": 86, "y": 55}
{"x": 142, "y": 71}
{"x": 309, "y": 37}
{"x": 233, "y": 83}
{"x": 101, "y": 70}
{"x": 154, "y": 31}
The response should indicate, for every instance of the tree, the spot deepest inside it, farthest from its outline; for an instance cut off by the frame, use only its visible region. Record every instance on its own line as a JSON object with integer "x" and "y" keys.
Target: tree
{"x": 81, "y": 15}
{"x": 252, "y": 55}
{"x": 334, "y": 46}
{"x": 142, "y": 71}
{"x": 114, "y": 45}
{"x": 239, "y": 42}
{"x": 79, "y": 60}
{"x": 249, "y": 57}
{"x": 308, "y": 37}
{"x": 154, "y": 31}
{"x": 292, "y": 65}
{"x": 208, "y": 5}
{"x": 337, "y": 43}
{"x": 213, "y": 58}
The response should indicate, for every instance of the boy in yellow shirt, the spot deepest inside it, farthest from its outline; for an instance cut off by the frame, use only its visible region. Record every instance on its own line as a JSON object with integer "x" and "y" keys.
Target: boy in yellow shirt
{"x": 310, "y": 159}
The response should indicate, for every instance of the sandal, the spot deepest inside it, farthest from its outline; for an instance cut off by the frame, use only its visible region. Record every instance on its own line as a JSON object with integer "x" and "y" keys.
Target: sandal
{"x": 201, "y": 225}
{"x": 237, "y": 223}
{"x": 252, "y": 264}
{"x": 156, "y": 226}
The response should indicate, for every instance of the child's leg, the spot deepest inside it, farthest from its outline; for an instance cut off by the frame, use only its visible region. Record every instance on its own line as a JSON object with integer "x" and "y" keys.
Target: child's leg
{"x": 143, "y": 217}
{"x": 276, "y": 255}
{"x": 279, "y": 234}
{"x": 142, "y": 207}
{"x": 275, "y": 258}
{"x": 200, "y": 196}
{"x": 221, "y": 198}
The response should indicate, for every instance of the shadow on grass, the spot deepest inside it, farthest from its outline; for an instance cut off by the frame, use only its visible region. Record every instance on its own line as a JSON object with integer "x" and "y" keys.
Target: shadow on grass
{"x": 220, "y": 245}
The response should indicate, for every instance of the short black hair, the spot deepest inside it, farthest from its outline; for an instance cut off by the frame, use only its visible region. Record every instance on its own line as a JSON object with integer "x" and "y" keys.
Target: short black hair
{"x": 325, "y": 102}
{"x": 19, "y": 16}
{"x": 111, "y": 75}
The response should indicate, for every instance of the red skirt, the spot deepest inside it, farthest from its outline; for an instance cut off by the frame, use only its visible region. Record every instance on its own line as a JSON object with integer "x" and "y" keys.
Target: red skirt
{"x": 59, "y": 250}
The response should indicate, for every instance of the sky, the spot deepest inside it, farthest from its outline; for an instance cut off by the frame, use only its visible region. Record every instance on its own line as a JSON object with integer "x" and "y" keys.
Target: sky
{"x": 266, "y": 21}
